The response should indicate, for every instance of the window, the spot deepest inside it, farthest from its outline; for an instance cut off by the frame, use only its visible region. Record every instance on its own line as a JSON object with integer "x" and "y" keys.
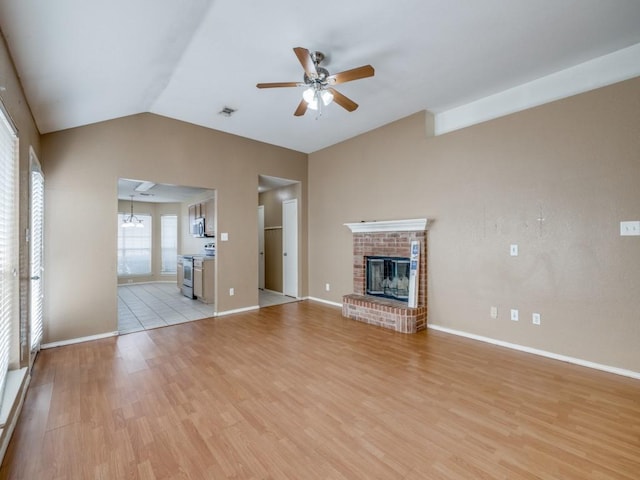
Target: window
{"x": 169, "y": 243}
{"x": 134, "y": 247}
{"x": 8, "y": 239}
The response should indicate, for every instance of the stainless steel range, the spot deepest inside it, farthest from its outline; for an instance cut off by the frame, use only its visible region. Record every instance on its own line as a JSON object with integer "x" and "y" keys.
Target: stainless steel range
{"x": 187, "y": 270}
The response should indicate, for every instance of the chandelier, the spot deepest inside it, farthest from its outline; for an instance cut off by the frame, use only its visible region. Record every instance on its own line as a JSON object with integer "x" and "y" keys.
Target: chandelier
{"x": 132, "y": 221}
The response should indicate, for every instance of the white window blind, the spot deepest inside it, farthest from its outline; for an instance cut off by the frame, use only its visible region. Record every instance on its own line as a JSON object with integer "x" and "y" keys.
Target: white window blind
{"x": 37, "y": 220}
{"x": 8, "y": 239}
{"x": 169, "y": 243}
{"x": 134, "y": 247}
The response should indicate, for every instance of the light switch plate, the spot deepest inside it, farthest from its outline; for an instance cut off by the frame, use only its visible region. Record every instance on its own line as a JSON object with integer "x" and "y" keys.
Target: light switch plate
{"x": 514, "y": 315}
{"x": 513, "y": 250}
{"x": 628, "y": 229}
{"x": 224, "y": 237}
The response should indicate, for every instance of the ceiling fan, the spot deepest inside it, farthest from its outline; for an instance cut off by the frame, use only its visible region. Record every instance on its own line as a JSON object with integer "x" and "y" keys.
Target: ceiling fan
{"x": 319, "y": 83}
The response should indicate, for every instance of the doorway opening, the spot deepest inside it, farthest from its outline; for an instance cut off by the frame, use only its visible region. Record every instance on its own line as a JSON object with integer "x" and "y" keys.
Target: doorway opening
{"x": 278, "y": 240}
{"x": 149, "y": 280}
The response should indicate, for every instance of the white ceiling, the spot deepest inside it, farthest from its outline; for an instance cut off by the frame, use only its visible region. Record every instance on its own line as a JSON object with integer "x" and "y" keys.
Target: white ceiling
{"x": 82, "y": 62}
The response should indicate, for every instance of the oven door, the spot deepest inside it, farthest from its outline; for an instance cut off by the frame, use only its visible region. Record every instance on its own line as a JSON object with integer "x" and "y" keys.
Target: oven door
{"x": 187, "y": 282}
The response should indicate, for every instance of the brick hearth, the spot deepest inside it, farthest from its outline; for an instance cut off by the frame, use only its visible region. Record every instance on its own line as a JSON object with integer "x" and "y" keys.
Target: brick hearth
{"x": 379, "y": 239}
{"x": 385, "y": 313}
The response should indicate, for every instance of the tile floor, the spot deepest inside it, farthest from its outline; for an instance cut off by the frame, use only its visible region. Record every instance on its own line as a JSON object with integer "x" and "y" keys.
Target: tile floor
{"x": 153, "y": 305}
{"x": 268, "y": 298}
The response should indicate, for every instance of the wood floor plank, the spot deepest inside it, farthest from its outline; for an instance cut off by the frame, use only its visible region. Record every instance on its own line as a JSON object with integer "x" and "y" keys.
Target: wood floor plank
{"x": 297, "y": 391}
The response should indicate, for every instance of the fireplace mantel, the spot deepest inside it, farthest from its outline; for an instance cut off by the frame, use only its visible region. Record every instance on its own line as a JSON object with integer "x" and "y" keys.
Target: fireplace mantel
{"x": 412, "y": 225}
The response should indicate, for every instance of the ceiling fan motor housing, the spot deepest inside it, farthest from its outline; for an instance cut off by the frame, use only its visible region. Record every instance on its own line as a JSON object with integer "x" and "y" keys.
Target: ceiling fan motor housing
{"x": 317, "y": 57}
{"x": 323, "y": 73}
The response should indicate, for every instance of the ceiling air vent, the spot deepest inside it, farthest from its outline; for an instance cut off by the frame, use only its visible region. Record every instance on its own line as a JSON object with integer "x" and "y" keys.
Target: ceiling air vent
{"x": 227, "y": 111}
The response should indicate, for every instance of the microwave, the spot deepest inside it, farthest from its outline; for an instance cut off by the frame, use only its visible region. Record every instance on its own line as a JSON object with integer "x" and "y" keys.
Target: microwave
{"x": 197, "y": 228}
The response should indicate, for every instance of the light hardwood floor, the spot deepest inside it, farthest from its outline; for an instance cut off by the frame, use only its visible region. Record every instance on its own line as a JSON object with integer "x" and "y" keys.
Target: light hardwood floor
{"x": 297, "y": 392}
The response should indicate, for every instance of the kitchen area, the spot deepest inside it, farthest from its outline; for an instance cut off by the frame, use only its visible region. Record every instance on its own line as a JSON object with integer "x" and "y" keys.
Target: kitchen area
{"x": 196, "y": 271}
{"x": 178, "y": 283}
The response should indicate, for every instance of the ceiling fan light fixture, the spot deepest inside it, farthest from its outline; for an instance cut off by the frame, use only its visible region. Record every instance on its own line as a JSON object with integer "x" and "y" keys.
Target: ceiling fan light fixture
{"x": 327, "y": 97}
{"x": 312, "y": 95}
{"x": 309, "y": 96}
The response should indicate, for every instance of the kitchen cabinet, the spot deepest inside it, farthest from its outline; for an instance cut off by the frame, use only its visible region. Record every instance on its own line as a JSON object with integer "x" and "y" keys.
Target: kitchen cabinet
{"x": 192, "y": 219}
{"x": 209, "y": 214}
{"x": 206, "y": 210}
{"x": 204, "y": 279}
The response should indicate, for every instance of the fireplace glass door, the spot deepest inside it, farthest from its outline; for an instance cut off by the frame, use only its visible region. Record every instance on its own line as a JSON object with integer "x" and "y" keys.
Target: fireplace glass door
{"x": 388, "y": 277}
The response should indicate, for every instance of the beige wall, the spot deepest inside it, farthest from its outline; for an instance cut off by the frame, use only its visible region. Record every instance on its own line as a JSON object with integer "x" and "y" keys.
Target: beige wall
{"x": 272, "y": 202}
{"x": 574, "y": 163}
{"x": 82, "y": 166}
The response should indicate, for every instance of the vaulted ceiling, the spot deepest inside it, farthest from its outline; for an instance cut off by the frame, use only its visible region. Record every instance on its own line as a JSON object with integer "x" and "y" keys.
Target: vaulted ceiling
{"x": 82, "y": 62}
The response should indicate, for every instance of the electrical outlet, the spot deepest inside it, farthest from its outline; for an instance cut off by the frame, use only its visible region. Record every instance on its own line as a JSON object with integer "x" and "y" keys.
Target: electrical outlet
{"x": 535, "y": 318}
{"x": 232, "y": 292}
{"x": 327, "y": 287}
{"x": 494, "y": 312}
{"x": 628, "y": 229}
{"x": 514, "y": 315}
{"x": 513, "y": 250}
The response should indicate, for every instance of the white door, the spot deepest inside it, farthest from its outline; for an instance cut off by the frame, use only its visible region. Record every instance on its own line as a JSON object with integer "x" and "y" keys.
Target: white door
{"x": 290, "y": 247}
{"x": 261, "y": 247}
{"x": 36, "y": 228}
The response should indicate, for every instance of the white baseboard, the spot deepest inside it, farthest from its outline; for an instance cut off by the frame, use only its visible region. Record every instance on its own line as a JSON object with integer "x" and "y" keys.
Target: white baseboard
{"x": 71, "y": 341}
{"x": 321, "y": 300}
{"x": 542, "y": 353}
{"x": 237, "y": 310}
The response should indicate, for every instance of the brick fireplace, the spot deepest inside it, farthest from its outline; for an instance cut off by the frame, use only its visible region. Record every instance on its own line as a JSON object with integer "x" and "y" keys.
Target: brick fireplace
{"x": 389, "y": 239}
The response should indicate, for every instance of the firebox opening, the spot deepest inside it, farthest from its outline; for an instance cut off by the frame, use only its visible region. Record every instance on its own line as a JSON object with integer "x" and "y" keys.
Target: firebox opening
{"x": 387, "y": 277}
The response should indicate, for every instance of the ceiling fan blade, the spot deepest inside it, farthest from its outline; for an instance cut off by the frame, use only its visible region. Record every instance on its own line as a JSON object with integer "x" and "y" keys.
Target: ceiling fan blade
{"x": 306, "y": 61}
{"x": 302, "y": 108}
{"x": 343, "y": 101}
{"x": 280, "y": 84}
{"x": 349, "y": 75}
